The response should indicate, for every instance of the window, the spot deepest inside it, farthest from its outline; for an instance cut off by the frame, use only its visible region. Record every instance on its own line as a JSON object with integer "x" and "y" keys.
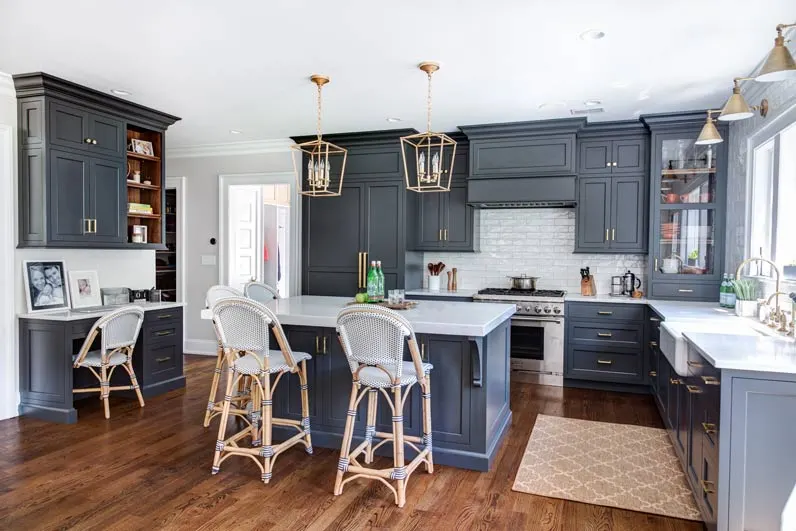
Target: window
{"x": 773, "y": 202}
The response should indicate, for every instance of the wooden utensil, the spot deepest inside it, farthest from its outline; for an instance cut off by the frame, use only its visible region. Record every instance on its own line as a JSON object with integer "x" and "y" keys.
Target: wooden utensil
{"x": 454, "y": 280}
{"x": 450, "y": 281}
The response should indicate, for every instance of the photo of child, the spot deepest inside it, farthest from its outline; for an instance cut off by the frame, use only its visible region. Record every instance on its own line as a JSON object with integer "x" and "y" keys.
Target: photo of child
{"x": 45, "y": 285}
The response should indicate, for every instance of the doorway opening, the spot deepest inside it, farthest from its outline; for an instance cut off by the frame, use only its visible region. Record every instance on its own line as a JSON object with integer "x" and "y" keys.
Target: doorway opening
{"x": 260, "y": 234}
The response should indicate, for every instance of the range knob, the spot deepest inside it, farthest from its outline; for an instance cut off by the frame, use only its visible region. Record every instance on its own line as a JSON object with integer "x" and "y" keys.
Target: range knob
{"x": 519, "y": 307}
{"x": 556, "y": 310}
{"x": 538, "y": 309}
{"x": 527, "y": 308}
{"x": 547, "y": 309}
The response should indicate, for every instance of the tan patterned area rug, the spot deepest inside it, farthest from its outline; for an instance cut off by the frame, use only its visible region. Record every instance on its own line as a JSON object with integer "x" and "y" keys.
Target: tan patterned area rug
{"x": 616, "y": 465}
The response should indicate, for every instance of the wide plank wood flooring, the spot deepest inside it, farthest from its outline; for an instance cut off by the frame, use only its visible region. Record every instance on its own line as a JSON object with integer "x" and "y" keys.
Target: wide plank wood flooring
{"x": 150, "y": 469}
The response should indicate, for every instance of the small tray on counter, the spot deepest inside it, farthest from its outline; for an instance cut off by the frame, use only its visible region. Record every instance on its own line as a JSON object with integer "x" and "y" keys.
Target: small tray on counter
{"x": 405, "y": 305}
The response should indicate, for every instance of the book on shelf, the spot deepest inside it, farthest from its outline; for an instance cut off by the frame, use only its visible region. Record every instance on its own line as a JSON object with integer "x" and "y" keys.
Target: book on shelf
{"x": 139, "y": 208}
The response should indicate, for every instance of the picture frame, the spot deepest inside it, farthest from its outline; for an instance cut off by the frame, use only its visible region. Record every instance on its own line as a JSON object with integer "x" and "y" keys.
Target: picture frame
{"x": 84, "y": 289}
{"x": 45, "y": 286}
{"x": 142, "y": 147}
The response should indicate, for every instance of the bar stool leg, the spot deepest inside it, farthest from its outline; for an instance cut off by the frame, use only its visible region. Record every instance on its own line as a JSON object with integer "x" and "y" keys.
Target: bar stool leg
{"x": 305, "y": 407}
{"x": 370, "y": 428}
{"x": 222, "y": 426}
{"x": 211, "y": 402}
{"x": 105, "y": 387}
{"x": 342, "y": 464}
{"x": 267, "y": 415}
{"x": 129, "y": 368}
{"x": 426, "y": 388}
{"x": 399, "y": 468}
{"x": 255, "y": 394}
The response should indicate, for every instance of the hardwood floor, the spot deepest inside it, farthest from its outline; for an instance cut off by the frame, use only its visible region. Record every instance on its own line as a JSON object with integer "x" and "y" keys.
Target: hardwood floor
{"x": 150, "y": 469}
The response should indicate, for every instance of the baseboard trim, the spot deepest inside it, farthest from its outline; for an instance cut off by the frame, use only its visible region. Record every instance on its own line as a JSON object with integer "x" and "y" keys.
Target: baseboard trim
{"x": 205, "y": 347}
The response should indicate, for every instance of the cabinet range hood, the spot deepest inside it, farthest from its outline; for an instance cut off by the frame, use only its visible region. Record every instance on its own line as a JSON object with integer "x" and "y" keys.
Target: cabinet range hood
{"x": 522, "y": 192}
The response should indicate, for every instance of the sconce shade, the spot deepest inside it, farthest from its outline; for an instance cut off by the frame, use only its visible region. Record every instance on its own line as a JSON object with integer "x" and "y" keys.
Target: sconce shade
{"x": 709, "y": 134}
{"x": 779, "y": 65}
{"x": 736, "y": 108}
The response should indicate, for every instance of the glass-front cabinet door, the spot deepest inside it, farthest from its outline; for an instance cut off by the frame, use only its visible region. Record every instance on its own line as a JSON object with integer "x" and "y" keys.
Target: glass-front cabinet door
{"x": 687, "y": 236}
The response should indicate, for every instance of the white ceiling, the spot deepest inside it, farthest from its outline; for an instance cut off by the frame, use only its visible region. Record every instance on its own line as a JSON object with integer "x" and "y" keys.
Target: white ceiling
{"x": 244, "y": 64}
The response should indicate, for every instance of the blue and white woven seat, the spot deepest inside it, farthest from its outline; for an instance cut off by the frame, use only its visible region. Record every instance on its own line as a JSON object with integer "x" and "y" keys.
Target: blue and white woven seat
{"x": 262, "y": 293}
{"x": 118, "y": 332}
{"x": 244, "y": 327}
{"x": 373, "y": 339}
{"x": 252, "y": 362}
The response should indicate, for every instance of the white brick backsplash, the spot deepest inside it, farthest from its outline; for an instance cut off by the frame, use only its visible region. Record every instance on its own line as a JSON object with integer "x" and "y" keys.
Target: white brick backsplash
{"x": 537, "y": 242}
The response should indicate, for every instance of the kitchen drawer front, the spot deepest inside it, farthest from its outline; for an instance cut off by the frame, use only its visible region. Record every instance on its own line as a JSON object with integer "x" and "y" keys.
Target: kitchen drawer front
{"x": 167, "y": 331}
{"x": 700, "y": 368}
{"x": 609, "y": 333}
{"x": 160, "y": 316}
{"x": 594, "y": 311}
{"x": 162, "y": 361}
{"x": 684, "y": 291}
{"x": 604, "y": 364}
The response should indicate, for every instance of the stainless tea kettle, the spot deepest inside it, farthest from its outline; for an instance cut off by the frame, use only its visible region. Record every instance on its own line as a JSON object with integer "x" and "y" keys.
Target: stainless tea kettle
{"x": 630, "y": 283}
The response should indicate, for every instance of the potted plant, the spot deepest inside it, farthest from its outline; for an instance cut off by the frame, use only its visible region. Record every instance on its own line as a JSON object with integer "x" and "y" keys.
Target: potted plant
{"x": 693, "y": 256}
{"x": 745, "y": 297}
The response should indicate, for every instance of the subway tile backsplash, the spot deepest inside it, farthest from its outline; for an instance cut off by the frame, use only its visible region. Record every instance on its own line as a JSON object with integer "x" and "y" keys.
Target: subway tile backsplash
{"x": 537, "y": 242}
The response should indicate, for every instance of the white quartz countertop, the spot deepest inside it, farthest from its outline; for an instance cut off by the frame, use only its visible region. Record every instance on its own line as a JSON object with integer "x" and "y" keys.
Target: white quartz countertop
{"x": 677, "y": 310}
{"x": 603, "y": 298}
{"x": 442, "y": 293}
{"x": 475, "y": 319}
{"x": 76, "y": 315}
{"x": 745, "y": 352}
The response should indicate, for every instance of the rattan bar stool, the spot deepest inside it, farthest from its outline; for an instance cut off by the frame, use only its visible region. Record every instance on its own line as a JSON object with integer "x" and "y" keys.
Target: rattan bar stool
{"x": 119, "y": 332}
{"x": 262, "y": 293}
{"x": 243, "y": 326}
{"x": 215, "y": 294}
{"x": 373, "y": 341}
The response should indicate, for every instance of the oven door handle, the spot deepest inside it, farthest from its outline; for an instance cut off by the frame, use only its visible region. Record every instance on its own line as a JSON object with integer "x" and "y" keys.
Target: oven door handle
{"x": 536, "y": 319}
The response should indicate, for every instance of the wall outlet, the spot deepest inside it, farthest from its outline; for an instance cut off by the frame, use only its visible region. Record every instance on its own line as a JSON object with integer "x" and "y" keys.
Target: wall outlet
{"x": 208, "y": 259}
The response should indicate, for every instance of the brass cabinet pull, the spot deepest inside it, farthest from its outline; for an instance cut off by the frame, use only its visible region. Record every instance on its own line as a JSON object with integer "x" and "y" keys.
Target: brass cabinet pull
{"x": 606, "y": 234}
{"x": 655, "y": 320}
{"x": 86, "y": 226}
{"x": 709, "y": 428}
{"x": 317, "y": 345}
{"x": 604, "y": 334}
{"x": 613, "y": 231}
{"x": 446, "y": 234}
{"x": 694, "y": 389}
{"x": 674, "y": 381}
{"x": 324, "y": 345}
{"x": 87, "y": 141}
{"x": 711, "y": 380}
{"x": 685, "y": 290}
{"x": 161, "y": 360}
{"x": 708, "y": 487}
{"x": 165, "y": 316}
{"x": 607, "y": 164}
{"x": 359, "y": 270}
{"x": 95, "y": 226}
{"x": 423, "y": 351}
{"x": 613, "y": 164}
{"x": 656, "y": 265}
{"x": 653, "y": 374}
{"x": 695, "y": 364}
{"x": 605, "y": 362}
{"x": 605, "y": 313}
{"x": 165, "y": 333}
{"x": 653, "y": 344}
{"x": 94, "y": 141}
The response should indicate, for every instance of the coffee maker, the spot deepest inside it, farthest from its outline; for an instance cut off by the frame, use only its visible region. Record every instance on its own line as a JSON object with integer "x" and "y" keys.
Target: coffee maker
{"x": 630, "y": 283}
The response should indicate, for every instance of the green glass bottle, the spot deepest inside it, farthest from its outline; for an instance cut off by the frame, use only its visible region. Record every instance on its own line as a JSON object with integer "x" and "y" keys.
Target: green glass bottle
{"x": 723, "y": 292}
{"x": 373, "y": 283}
{"x": 381, "y": 280}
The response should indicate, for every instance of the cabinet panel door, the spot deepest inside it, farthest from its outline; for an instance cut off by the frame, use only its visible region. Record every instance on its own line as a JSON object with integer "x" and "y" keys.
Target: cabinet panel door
{"x": 69, "y": 196}
{"x": 450, "y": 388}
{"x": 333, "y": 230}
{"x": 288, "y": 398}
{"x": 109, "y": 133}
{"x": 337, "y": 387}
{"x": 68, "y": 126}
{"x": 696, "y": 416}
{"x": 683, "y": 418}
{"x": 662, "y": 394}
{"x": 629, "y": 156}
{"x": 108, "y": 200}
{"x": 547, "y": 155}
{"x": 594, "y": 214}
{"x": 595, "y": 157}
{"x": 628, "y": 203}
{"x": 430, "y": 220}
{"x": 459, "y": 221}
{"x": 384, "y": 218}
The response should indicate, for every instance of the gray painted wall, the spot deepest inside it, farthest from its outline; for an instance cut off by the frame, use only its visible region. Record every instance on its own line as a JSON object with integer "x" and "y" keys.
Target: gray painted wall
{"x": 201, "y": 224}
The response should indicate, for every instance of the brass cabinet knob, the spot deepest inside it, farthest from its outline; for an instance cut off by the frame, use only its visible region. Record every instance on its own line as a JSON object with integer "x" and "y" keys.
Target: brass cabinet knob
{"x": 674, "y": 381}
{"x": 94, "y": 141}
{"x": 87, "y": 141}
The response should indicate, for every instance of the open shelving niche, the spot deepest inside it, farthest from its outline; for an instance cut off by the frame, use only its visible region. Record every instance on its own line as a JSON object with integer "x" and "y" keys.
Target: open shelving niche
{"x": 151, "y": 168}
{"x": 166, "y": 260}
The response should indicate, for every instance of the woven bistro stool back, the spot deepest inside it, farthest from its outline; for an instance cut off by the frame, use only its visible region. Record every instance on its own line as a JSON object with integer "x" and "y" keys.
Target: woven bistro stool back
{"x": 118, "y": 334}
{"x": 215, "y": 294}
{"x": 243, "y": 326}
{"x": 260, "y": 292}
{"x": 373, "y": 339}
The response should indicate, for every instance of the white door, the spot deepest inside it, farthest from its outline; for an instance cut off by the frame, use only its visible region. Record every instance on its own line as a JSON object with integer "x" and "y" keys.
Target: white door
{"x": 245, "y": 235}
{"x": 283, "y": 244}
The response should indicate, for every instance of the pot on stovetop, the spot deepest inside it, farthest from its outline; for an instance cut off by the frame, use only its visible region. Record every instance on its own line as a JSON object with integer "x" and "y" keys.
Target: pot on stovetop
{"x": 523, "y": 282}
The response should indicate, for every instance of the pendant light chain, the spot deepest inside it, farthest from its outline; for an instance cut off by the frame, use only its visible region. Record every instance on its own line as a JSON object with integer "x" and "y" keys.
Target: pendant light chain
{"x": 319, "y": 110}
{"x": 428, "y": 120}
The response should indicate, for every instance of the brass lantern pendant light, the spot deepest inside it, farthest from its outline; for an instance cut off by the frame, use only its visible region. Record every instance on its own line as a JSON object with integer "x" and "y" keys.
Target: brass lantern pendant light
{"x": 779, "y": 64}
{"x": 428, "y": 171}
{"x": 324, "y": 161}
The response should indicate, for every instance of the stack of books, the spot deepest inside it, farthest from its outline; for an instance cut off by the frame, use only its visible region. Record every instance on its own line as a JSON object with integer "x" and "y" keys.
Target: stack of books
{"x": 139, "y": 208}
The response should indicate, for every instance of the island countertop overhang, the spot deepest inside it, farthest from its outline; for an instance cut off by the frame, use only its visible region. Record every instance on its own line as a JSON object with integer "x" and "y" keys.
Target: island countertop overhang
{"x": 472, "y": 319}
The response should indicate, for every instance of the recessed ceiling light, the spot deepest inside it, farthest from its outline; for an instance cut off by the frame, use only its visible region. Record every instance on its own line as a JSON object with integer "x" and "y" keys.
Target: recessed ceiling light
{"x": 591, "y": 35}
{"x": 393, "y": 120}
{"x": 234, "y": 132}
{"x": 550, "y": 104}
{"x": 591, "y": 103}
{"x": 120, "y": 92}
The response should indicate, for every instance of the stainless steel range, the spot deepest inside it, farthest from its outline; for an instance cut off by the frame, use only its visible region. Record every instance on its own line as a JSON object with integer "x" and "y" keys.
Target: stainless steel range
{"x": 537, "y": 332}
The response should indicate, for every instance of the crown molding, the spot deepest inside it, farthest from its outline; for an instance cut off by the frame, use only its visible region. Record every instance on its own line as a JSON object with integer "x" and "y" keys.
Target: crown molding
{"x": 7, "y": 86}
{"x": 253, "y": 147}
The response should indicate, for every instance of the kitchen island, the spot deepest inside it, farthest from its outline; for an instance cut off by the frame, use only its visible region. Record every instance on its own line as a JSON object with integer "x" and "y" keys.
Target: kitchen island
{"x": 468, "y": 344}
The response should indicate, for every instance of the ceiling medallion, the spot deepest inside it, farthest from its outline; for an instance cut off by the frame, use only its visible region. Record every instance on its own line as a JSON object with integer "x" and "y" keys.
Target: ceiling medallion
{"x": 431, "y": 168}
{"x": 324, "y": 161}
